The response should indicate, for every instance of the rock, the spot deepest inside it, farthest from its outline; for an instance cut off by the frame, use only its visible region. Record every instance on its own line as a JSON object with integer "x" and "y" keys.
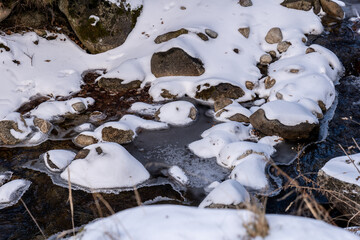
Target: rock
{"x": 85, "y": 140}
{"x": 57, "y": 160}
{"x": 245, "y": 3}
{"x": 6, "y": 9}
{"x": 170, "y": 35}
{"x": 119, "y": 136}
{"x": 340, "y": 179}
{"x": 245, "y": 31}
{"x": 274, "y": 35}
{"x": 269, "y": 82}
{"x": 175, "y": 62}
{"x": 304, "y": 5}
{"x": 82, "y": 154}
{"x": 167, "y": 95}
{"x": 211, "y": 33}
{"x": 97, "y": 116}
{"x": 114, "y": 25}
{"x": 238, "y": 117}
{"x": 309, "y": 50}
{"x": 265, "y": 59}
{"x": 5, "y": 132}
{"x": 303, "y": 130}
{"x": 115, "y": 85}
{"x": 203, "y": 36}
{"x": 79, "y": 107}
{"x": 221, "y": 103}
{"x": 283, "y": 46}
{"x": 249, "y": 85}
{"x": 317, "y": 6}
{"x": 44, "y": 125}
{"x": 222, "y": 90}
{"x": 272, "y": 54}
{"x": 332, "y": 9}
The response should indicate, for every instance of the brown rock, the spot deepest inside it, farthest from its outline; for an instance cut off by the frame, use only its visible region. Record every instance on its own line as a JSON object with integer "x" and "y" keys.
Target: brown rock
{"x": 332, "y": 9}
{"x": 170, "y": 35}
{"x": 265, "y": 59}
{"x": 304, "y": 5}
{"x": 245, "y": 3}
{"x": 119, "y": 136}
{"x": 82, "y": 154}
{"x": 116, "y": 85}
{"x": 273, "y": 127}
{"x": 272, "y": 54}
{"x": 222, "y": 90}
{"x": 274, "y": 35}
{"x": 221, "y": 103}
{"x": 6, "y": 9}
{"x": 283, "y": 46}
{"x": 238, "y": 117}
{"x": 249, "y": 85}
{"x": 245, "y": 31}
{"x": 193, "y": 113}
{"x": 79, "y": 107}
{"x": 44, "y": 125}
{"x": 85, "y": 140}
{"x": 5, "y": 132}
{"x": 343, "y": 195}
{"x": 317, "y": 6}
{"x": 309, "y": 50}
{"x": 175, "y": 62}
{"x": 269, "y": 82}
{"x": 166, "y": 94}
{"x": 203, "y": 36}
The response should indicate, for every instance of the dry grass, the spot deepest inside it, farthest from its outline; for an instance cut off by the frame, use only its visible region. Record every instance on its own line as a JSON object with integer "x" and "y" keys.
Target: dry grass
{"x": 32, "y": 217}
{"x": 258, "y": 226}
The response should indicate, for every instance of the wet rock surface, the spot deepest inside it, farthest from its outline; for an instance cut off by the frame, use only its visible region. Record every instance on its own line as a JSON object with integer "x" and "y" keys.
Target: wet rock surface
{"x": 119, "y": 136}
{"x": 222, "y": 90}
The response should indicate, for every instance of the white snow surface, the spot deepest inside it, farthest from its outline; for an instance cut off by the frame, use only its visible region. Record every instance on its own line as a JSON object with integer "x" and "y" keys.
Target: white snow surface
{"x": 11, "y": 192}
{"x": 113, "y": 168}
{"x": 229, "y": 192}
{"x": 144, "y": 108}
{"x": 231, "y": 110}
{"x": 288, "y": 113}
{"x": 342, "y": 169}
{"x": 60, "y": 158}
{"x": 54, "y": 67}
{"x": 178, "y": 174}
{"x": 163, "y": 222}
{"x": 176, "y": 113}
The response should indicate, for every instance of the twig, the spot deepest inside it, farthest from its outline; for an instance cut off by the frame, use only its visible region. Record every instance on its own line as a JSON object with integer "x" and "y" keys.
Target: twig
{"x": 71, "y": 203}
{"x": 32, "y": 217}
{"x": 351, "y": 160}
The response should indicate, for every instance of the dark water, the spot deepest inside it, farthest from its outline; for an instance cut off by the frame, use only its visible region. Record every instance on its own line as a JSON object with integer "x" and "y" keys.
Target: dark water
{"x": 49, "y": 203}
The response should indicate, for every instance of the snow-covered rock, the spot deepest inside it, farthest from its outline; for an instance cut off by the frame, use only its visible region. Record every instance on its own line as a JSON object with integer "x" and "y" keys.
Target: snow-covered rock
{"x": 57, "y": 160}
{"x": 11, "y": 192}
{"x": 177, "y": 113}
{"x": 107, "y": 165}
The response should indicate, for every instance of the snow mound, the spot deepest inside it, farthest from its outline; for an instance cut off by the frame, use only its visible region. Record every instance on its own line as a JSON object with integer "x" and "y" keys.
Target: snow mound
{"x": 57, "y": 160}
{"x": 11, "y": 192}
{"x": 177, "y": 113}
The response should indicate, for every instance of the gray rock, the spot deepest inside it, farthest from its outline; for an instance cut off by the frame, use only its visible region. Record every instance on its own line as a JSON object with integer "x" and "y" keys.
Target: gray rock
{"x": 332, "y": 9}
{"x": 273, "y": 127}
{"x": 283, "y": 46}
{"x": 111, "y": 31}
{"x": 211, "y": 33}
{"x": 265, "y": 59}
{"x": 119, "y": 136}
{"x": 245, "y": 3}
{"x": 79, "y": 107}
{"x": 116, "y": 85}
{"x": 43, "y": 125}
{"x": 5, "y": 132}
{"x": 245, "y": 31}
{"x": 175, "y": 62}
{"x": 221, "y": 103}
{"x": 170, "y": 35}
{"x": 85, "y": 140}
{"x": 343, "y": 195}
{"x": 274, "y": 35}
{"x": 222, "y": 90}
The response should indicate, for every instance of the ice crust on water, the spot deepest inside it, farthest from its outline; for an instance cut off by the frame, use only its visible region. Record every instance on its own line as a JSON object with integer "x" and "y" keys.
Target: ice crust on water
{"x": 108, "y": 165}
{"x": 342, "y": 169}
{"x": 176, "y": 113}
{"x": 57, "y": 160}
{"x": 11, "y": 192}
{"x": 229, "y": 192}
{"x": 43, "y": 73}
{"x": 180, "y": 222}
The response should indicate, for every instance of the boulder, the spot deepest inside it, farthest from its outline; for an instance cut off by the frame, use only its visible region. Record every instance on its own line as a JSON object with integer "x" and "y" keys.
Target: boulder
{"x": 274, "y": 35}
{"x": 5, "y": 132}
{"x": 222, "y": 90}
{"x": 287, "y": 119}
{"x": 332, "y": 9}
{"x": 340, "y": 180}
{"x": 85, "y": 140}
{"x": 110, "y": 31}
{"x": 116, "y": 85}
{"x": 221, "y": 103}
{"x": 175, "y": 62}
{"x": 120, "y": 136}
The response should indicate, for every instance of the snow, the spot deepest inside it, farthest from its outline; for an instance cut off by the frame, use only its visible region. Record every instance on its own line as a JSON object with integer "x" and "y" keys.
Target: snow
{"x": 250, "y": 172}
{"x": 50, "y": 109}
{"x": 144, "y": 108}
{"x": 128, "y": 4}
{"x": 229, "y": 192}
{"x": 114, "y": 167}
{"x": 231, "y": 110}
{"x": 96, "y": 20}
{"x": 11, "y": 192}
{"x": 181, "y": 222}
{"x": 60, "y": 158}
{"x": 342, "y": 169}
{"x": 176, "y": 113}
{"x": 5, "y": 176}
{"x": 178, "y": 174}
{"x": 288, "y": 113}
